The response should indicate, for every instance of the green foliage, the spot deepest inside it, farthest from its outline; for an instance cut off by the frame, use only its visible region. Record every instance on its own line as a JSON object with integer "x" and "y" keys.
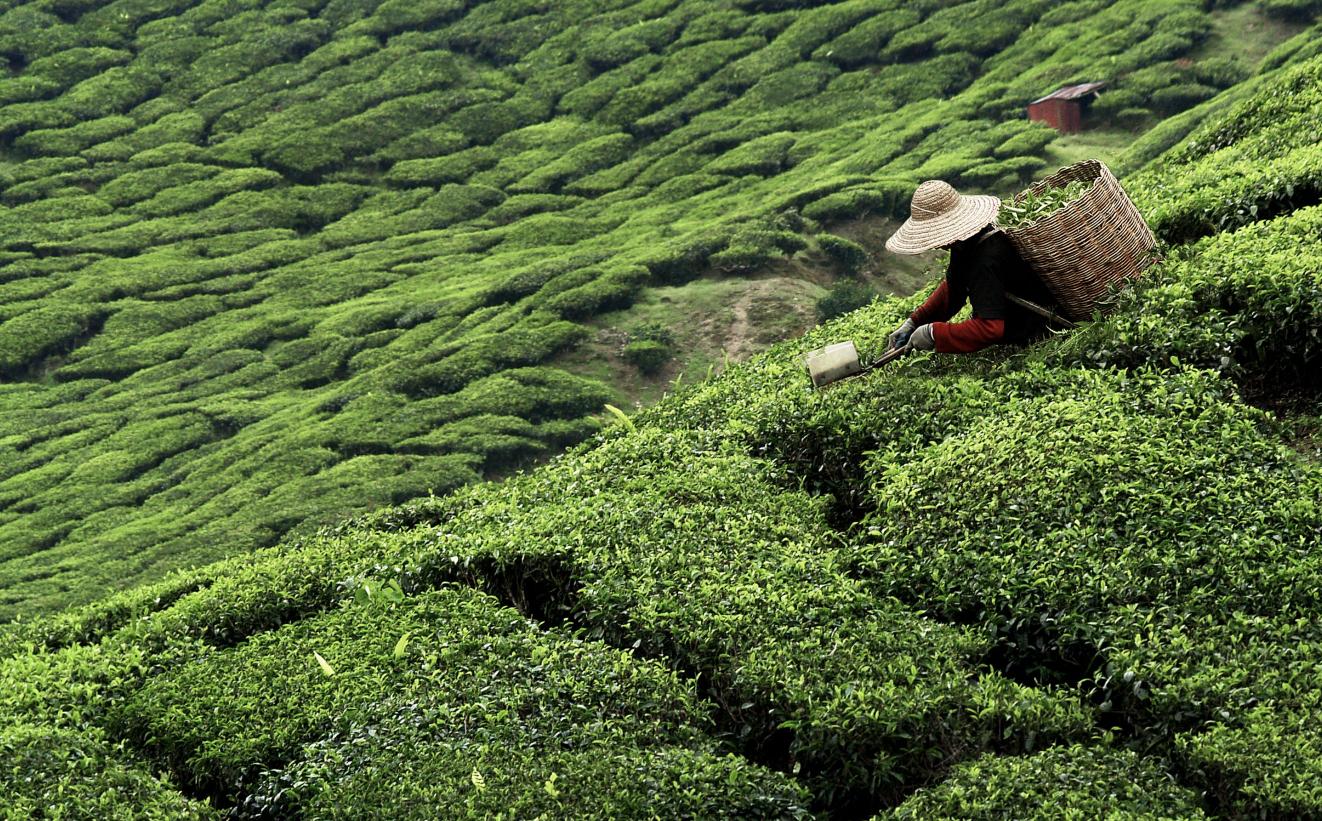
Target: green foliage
{"x": 610, "y": 291}
{"x": 1243, "y": 302}
{"x": 83, "y": 775}
{"x": 863, "y": 43}
{"x": 1067, "y": 567}
{"x": 889, "y": 198}
{"x": 1063, "y": 782}
{"x": 1292, "y": 10}
{"x": 1220, "y": 72}
{"x": 1038, "y": 204}
{"x": 1005, "y": 172}
{"x": 844, "y": 296}
{"x": 754, "y": 244}
{"x": 765, "y": 586}
{"x": 268, "y": 267}
{"x": 561, "y": 705}
{"x": 647, "y": 355}
{"x": 764, "y": 156}
{"x": 31, "y": 335}
{"x": 1254, "y": 162}
{"x": 1026, "y": 143}
{"x": 655, "y": 332}
{"x": 849, "y": 255}
{"x": 1129, "y": 550}
{"x": 1269, "y": 762}
{"x": 1176, "y": 98}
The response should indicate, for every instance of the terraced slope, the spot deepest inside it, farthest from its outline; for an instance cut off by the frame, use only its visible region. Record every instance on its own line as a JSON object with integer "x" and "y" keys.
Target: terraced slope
{"x": 1031, "y": 583}
{"x": 265, "y": 264}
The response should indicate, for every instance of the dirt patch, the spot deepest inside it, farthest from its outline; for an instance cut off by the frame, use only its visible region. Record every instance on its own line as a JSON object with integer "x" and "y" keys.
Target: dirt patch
{"x": 765, "y": 312}
{"x": 1310, "y": 443}
{"x": 1304, "y": 434}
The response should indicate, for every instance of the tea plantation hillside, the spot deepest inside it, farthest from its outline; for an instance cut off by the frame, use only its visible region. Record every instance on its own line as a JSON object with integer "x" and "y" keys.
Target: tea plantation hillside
{"x": 1075, "y": 580}
{"x": 266, "y": 264}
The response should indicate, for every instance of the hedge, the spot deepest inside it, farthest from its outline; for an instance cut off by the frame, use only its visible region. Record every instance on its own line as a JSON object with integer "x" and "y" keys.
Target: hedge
{"x": 849, "y": 255}
{"x": 82, "y": 775}
{"x": 785, "y": 598}
{"x": 1249, "y": 164}
{"x": 1074, "y": 782}
{"x": 485, "y": 711}
{"x": 1242, "y": 302}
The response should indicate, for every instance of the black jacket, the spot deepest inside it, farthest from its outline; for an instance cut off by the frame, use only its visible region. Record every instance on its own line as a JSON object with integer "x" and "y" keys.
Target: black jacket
{"x": 985, "y": 267}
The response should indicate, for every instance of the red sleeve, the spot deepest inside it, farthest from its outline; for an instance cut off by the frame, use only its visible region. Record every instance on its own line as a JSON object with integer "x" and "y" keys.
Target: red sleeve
{"x": 967, "y": 336}
{"x": 937, "y": 308}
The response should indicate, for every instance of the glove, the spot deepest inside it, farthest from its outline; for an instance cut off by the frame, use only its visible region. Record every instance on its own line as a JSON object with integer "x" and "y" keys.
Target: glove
{"x": 901, "y": 334}
{"x": 923, "y": 339}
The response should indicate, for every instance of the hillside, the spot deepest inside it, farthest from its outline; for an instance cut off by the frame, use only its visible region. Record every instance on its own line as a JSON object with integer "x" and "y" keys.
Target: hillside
{"x": 1079, "y": 579}
{"x": 265, "y": 265}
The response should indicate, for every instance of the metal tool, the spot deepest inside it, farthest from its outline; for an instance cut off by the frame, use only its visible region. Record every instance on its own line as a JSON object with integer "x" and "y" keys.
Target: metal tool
{"x": 840, "y": 361}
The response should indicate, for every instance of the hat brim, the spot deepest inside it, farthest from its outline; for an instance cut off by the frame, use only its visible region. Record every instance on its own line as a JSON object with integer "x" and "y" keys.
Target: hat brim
{"x": 973, "y": 213}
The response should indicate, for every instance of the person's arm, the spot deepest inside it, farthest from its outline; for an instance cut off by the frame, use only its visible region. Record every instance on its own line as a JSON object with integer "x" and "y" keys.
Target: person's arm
{"x": 967, "y": 336}
{"x": 946, "y": 301}
{"x": 938, "y": 307}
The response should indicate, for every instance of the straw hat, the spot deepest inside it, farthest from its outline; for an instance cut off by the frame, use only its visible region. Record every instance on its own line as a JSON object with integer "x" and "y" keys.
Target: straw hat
{"x": 940, "y": 215}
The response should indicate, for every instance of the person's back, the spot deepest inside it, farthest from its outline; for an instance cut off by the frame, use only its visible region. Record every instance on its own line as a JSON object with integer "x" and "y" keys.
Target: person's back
{"x": 993, "y": 268}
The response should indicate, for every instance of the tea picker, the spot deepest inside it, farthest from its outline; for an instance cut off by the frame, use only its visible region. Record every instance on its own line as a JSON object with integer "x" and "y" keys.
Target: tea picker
{"x": 1064, "y": 243}
{"x": 841, "y": 360}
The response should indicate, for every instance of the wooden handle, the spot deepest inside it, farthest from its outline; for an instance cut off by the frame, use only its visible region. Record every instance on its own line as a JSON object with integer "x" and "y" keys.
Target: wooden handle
{"x": 891, "y": 355}
{"x": 1049, "y": 316}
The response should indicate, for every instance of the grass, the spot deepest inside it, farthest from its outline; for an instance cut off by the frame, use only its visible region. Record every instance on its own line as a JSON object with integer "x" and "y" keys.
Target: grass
{"x": 1105, "y": 144}
{"x": 1245, "y": 33}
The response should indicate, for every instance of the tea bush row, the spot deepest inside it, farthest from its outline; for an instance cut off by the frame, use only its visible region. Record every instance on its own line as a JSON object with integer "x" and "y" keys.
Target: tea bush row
{"x": 80, "y": 774}
{"x": 1073, "y": 782}
{"x": 1243, "y": 302}
{"x": 738, "y": 581}
{"x": 1133, "y": 556}
{"x": 1080, "y": 552}
{"x": 60, "y": 760}
{"x": 485, "y": 712}
{"x": 679, "y": 604}
{"x": 1252, "y": 163}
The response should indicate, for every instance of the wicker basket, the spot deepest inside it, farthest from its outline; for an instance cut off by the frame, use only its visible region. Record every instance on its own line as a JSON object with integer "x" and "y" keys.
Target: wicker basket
{"x": 1088, "y": 245}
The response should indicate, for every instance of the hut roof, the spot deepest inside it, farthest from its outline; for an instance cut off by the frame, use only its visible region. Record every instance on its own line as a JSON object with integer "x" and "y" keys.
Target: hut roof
{"x": 1071, "y": 92}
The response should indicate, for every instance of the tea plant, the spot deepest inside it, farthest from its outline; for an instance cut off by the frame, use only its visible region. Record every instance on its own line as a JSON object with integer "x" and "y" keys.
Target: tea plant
{"x": 1034, "y": 205}
{"x": 567, "y": 716}
{"x": 1256, "y": 162}
{"x": 1064, "y": 782}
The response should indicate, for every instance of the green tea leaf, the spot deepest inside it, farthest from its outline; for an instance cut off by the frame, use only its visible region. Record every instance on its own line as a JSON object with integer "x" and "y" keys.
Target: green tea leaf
{"x": 325, "y": 665}
{"x": 622, "y": 417}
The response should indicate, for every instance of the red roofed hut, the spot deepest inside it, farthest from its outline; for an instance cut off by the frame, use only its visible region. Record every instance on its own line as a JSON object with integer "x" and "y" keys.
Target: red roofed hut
{"x": 1063, "y": 109}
